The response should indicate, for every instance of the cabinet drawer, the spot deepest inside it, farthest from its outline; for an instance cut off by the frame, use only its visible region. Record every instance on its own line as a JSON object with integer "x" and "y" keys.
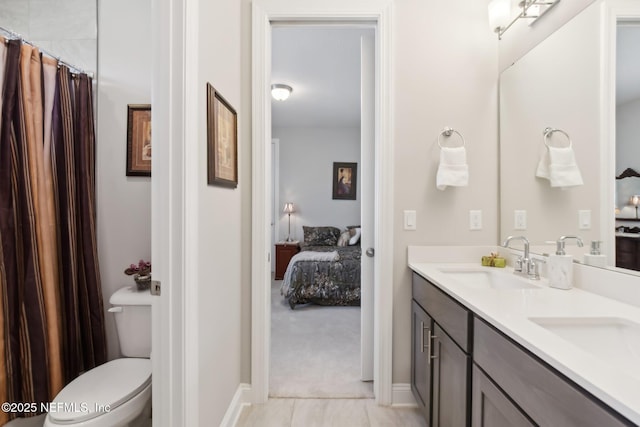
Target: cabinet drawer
{"x": 546, "y": 397}
{"x": 448, "y": 313}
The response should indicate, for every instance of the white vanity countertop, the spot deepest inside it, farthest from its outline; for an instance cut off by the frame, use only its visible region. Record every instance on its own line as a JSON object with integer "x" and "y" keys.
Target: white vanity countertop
{"x": 509, "y": 310}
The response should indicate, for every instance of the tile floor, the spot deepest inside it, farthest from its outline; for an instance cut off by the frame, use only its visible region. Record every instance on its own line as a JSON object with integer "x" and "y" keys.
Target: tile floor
{"x": 328, "y": 413}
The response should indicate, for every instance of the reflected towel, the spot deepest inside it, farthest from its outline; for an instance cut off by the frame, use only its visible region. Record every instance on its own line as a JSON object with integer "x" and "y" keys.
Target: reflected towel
{"x": 453, "y": 170}
{"x": 558, "y": 165}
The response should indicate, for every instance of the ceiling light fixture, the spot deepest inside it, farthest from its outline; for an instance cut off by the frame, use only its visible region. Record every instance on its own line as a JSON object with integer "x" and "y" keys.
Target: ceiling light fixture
{"x": 280, "y": 92}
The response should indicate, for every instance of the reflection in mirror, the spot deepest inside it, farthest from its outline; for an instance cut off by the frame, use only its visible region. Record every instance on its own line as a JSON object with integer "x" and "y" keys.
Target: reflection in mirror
{"x": 556, "y": 85}
{"x": 627, "y": 196}
{"x": 566, "y": 82}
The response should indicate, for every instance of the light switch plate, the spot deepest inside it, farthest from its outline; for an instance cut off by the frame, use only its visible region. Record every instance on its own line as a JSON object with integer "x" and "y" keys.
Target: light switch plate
{"x": 409, "y": 220}
{"x": 520, "y": 220}
{"x": 475, "y": 220}
{"x": 584, "y": 219}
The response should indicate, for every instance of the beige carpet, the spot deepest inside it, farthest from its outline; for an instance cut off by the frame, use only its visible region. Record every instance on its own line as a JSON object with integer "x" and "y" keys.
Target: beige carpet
{"x": 315, "y": 351}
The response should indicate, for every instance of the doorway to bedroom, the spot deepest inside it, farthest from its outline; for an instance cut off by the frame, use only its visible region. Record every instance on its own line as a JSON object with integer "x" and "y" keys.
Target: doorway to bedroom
{"x": 323, "y": 181}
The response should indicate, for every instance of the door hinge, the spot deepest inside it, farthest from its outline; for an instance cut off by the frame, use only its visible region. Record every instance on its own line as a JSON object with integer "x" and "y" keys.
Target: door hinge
{"x": 155, "y": 287}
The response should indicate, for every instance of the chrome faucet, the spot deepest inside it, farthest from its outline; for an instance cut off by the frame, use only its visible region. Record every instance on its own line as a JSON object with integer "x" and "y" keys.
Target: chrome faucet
{"x": 524, "y": 265}
{"x": 560, "y": 244}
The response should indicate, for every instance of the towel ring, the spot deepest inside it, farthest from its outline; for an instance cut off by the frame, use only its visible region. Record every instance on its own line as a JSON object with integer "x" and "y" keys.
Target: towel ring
{"x": 548, "y": 131}
{"x": 448, "y": 132}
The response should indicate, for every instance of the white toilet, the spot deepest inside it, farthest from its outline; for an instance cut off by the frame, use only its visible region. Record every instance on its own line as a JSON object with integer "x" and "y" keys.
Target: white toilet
{"x": 117, "y": 393}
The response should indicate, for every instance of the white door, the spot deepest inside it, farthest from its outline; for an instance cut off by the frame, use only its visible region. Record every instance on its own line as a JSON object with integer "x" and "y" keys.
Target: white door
{"x": 367, "y": 205}
{"x": 276, "y": 209}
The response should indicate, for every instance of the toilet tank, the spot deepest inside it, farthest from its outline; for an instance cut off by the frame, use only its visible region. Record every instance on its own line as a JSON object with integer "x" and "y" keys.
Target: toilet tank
{"x": 132, "y": 311}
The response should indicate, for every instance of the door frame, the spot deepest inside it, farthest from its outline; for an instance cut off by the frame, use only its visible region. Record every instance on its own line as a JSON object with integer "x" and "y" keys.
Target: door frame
{"x": 264, "y": 13}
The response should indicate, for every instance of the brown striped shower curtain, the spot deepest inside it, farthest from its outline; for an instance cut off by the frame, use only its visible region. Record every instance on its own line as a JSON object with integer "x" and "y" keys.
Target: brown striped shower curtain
{"x": 51, "y": 314}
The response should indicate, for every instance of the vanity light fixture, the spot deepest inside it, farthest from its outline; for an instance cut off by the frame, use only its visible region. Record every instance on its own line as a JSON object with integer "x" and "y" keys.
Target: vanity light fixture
{"x": 280, "y": 92}
{"x": 499, "y": 14}
{"x": 529, "y": 9}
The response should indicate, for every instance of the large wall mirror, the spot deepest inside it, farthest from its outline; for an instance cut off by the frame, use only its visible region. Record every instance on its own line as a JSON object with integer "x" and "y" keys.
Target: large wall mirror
{"x": 566, "y": 83}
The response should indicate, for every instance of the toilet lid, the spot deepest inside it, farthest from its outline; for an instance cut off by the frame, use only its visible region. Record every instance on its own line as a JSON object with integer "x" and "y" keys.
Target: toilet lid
{"x": 100, "y": 390}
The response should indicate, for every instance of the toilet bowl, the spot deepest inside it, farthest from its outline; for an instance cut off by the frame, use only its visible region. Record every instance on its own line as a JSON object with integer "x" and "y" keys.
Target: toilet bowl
{"x": 117, "y": 393}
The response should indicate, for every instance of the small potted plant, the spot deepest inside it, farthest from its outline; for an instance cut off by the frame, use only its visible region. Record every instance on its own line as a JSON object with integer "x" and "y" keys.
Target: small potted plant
{"x": 141, "y": 274}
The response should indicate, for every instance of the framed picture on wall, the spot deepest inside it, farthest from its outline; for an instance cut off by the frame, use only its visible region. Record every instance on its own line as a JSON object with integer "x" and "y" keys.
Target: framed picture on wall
{"x": 222, "y": 141}
{"x": 139, "y": 140}
{"x": 344, "y": 180}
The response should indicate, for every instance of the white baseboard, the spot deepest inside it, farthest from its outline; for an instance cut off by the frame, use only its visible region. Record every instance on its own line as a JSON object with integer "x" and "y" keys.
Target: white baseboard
{"x": 241, "y": 399}
{"x": 402, "y": 397}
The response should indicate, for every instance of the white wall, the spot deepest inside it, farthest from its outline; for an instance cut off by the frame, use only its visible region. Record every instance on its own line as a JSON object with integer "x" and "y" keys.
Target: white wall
{"x": 306, "y": 169}
{"x": 219, "y": 221}
{"x": 64, "y": 28}
{"x": 445, "y": 74}
{"x": 627, "y": 131}
{"x": 123, "y": 203}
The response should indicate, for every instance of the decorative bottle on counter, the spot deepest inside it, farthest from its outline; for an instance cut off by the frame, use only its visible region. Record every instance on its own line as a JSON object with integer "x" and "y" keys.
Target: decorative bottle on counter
{"x": 560, "y": 265}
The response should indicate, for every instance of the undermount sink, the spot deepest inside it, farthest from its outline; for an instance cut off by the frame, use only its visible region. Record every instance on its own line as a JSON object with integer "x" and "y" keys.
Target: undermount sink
{"x": 612, "y": 339}
{"x": 487, "y": 278}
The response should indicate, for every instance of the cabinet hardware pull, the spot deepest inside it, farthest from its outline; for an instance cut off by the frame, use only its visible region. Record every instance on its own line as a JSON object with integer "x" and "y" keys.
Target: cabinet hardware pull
{"x": 430, "y": 347}
{"x": 432, "y": 353}
{"x": 422, "y": 336}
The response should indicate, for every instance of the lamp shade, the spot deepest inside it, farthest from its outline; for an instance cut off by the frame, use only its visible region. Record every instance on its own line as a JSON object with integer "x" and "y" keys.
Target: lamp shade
{"x": 634, "y": 200}
{"x": 280, "y": 92}
{"x": 499, "y": 14}
{"x": 288, "y": 208}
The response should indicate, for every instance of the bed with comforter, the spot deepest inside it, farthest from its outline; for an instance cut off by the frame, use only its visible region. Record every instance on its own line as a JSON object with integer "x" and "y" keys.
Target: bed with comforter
{"x": 323, "y": 272}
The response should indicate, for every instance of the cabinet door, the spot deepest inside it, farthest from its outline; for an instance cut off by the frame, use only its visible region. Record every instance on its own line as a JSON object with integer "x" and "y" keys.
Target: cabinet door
{"x": 451, "y": 371}
{"x": 491, "y": 408}
{"x": 421, "y": 326}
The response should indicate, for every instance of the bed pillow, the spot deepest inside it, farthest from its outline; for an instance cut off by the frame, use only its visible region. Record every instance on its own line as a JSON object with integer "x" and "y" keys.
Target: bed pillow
{"x": 344, "y": 238}
{"x": 320, "y": 236}
{"x": 355, "y": 236}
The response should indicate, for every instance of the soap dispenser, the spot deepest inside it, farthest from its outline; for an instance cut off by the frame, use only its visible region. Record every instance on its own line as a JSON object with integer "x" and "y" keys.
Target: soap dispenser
{"x": 594, "y": 257}
{"x": 560, "y": 265}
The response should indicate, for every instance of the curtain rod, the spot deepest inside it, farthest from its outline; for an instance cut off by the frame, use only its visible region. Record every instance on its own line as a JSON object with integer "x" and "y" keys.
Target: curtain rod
{"x": 14, "y": 35}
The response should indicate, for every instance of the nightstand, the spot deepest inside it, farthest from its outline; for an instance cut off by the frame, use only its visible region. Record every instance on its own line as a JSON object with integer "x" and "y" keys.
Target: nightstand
{"x": 284, "y": 252}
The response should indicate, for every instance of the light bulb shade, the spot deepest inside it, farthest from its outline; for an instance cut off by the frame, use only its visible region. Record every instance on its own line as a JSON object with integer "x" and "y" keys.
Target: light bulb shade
{"x": 634, "y": 200}
{"x": 280, "y": 92}
{"x": 499, "y": 14}
{"x": 288, "y": 208}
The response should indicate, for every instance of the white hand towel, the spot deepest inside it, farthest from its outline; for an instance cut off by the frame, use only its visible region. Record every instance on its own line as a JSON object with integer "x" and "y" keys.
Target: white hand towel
{"x": 558, "y": 165}
{"x": 453, "y": 170}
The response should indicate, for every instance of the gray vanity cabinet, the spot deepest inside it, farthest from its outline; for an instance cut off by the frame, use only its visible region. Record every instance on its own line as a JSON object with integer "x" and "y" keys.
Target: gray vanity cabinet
{"x": 451, "y": 395}
{"x": 490, "y": 407}
{"x": 544, "y": 395}
{"x": 441, "y": 361}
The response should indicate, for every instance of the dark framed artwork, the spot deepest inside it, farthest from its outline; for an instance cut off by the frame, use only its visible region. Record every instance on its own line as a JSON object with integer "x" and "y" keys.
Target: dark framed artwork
{"x": 222, "y": 141}
{"x": 139, "y": 140}
{"x": 344, "y": 180}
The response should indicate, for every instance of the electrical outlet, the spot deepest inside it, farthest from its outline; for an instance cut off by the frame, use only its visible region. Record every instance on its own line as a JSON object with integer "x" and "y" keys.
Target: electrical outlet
{"x": 520, "y": 220}
{"x": 584, "y": 220}
{"x": 475, "y": 220}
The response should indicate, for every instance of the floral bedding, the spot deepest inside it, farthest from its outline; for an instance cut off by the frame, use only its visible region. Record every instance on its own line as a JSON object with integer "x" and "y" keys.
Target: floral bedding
{"x": 334, "y": 282}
